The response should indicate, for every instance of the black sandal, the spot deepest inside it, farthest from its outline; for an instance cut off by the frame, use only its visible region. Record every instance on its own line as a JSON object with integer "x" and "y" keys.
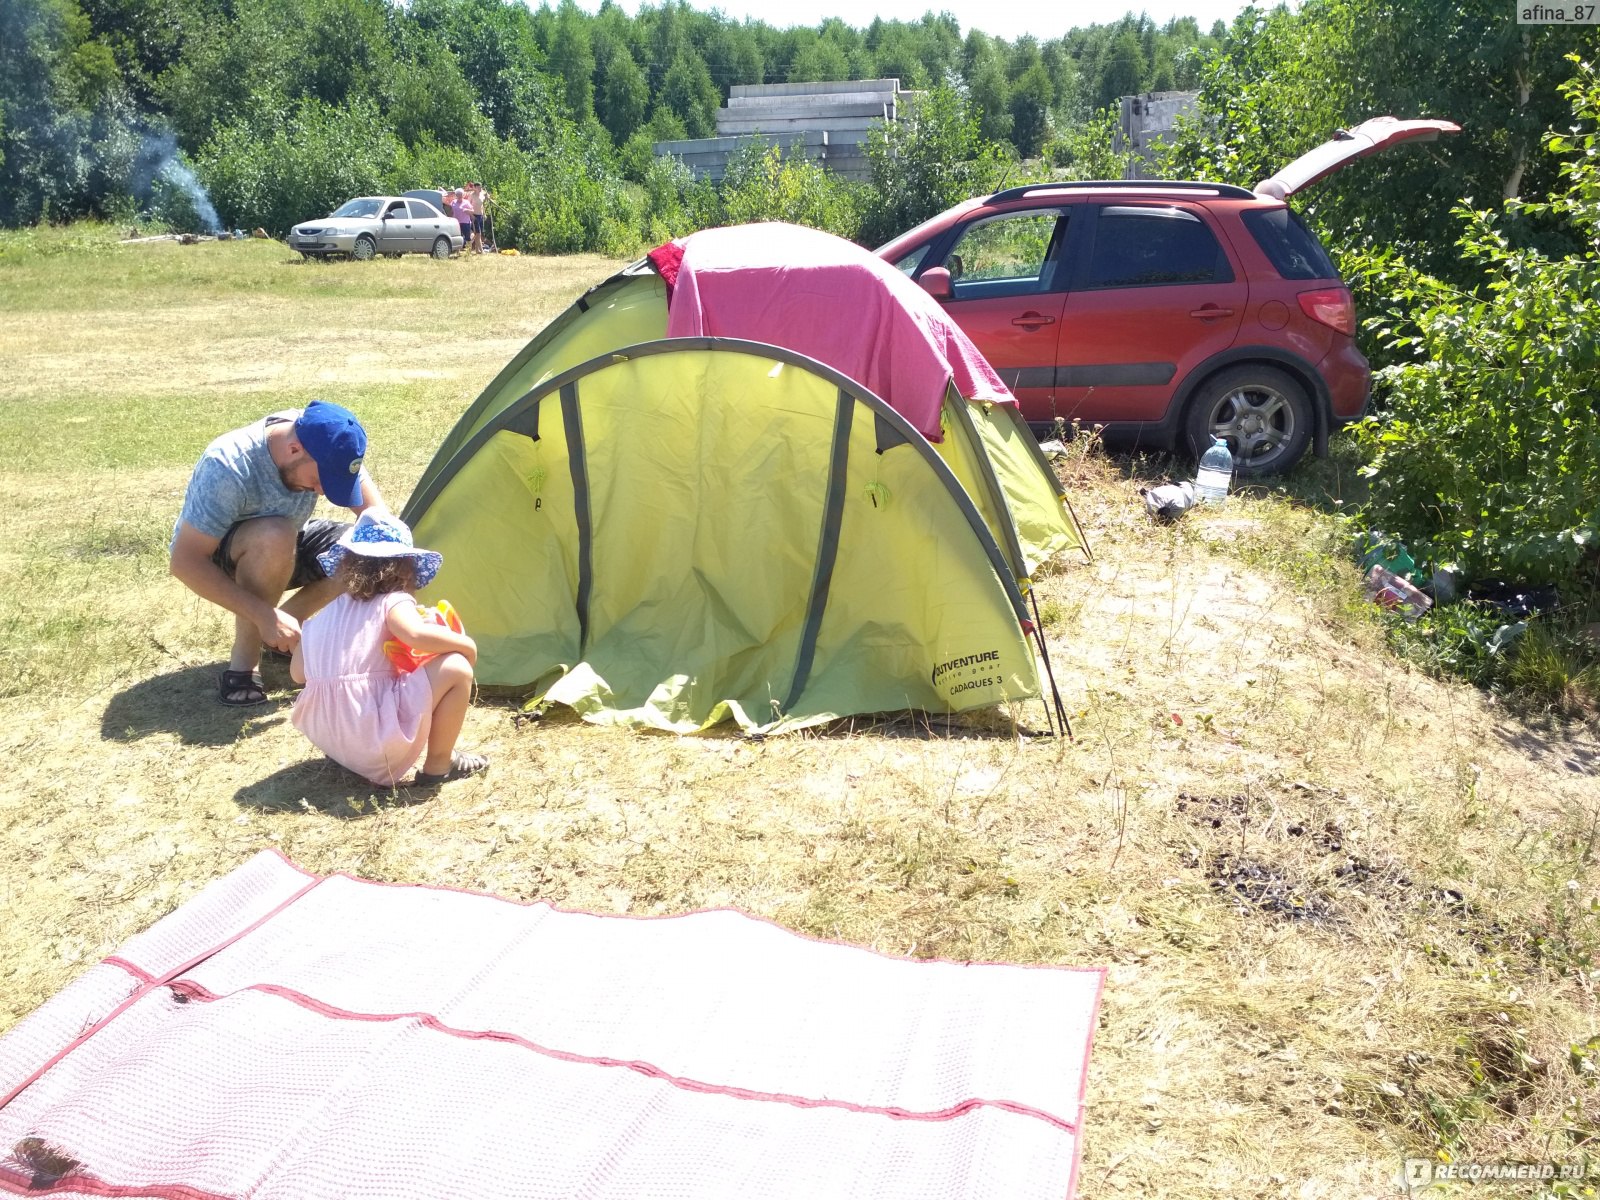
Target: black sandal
{"x": 461, "y": 765}
{"x": 240, "y": 689}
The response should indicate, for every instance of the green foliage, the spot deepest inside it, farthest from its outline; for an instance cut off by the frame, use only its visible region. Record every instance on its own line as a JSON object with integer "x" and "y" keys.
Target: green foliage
{"x": 623, "y": 97}
{"x": 674, "y": 204}
{"x": 1030, "y": 111}
{"x": 428, "y": 98}
{"x": 346, "y": 52}
{"x": 1556, "y": 671}
{"x": 1084, "y": 152}
{"x": 572, "y": 59}
{"x": 564, "y": 196}
{"x": 688, "y": 93}
{"x": 818, "y": 58}
{"x": 1470, "y": 641}
{"x": 929, "y": 159}
{"x": 306, "y": 167}
{"x": 46, "y": 143}
{"x": 764, "y": 185}
{"x": 1283, "y": 80}
{"x": 83, "y": 82}
{"x": 1487, "y": 450}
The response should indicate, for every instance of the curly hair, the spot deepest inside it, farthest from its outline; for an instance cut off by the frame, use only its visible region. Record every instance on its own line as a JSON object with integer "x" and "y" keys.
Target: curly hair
{"x": 365, "y": 577}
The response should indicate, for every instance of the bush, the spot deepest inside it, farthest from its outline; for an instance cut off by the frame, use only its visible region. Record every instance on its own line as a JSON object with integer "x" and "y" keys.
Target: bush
{"x": 763, "y": 184}
{"x": 674, "y": 204}
{"x": 303, "y": 168}
{"x": 1084, "y": 151}
{"x": 1487, "y": 451}
{"x": 564, "y": 196}
{"x": 929, "y": 159}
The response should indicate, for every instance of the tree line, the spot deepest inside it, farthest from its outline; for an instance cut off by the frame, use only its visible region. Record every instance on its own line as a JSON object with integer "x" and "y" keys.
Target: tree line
{"x": 282, "y": 107}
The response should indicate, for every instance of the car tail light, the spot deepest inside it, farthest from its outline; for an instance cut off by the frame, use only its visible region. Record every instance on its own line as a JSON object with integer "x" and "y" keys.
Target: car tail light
{"x": 1333, "y": 307}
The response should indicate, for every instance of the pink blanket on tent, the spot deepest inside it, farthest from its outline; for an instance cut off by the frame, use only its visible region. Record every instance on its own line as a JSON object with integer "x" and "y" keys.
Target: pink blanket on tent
{"x": 289, "y": 1035}
{"x": 829, "y": 299}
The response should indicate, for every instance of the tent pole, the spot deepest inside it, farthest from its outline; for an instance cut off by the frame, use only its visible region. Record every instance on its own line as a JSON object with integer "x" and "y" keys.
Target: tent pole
{"x": 1044, "y": 652}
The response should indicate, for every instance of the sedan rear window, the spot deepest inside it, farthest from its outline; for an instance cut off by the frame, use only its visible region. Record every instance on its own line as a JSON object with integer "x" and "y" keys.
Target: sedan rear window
{"x": 1293, "y": 249}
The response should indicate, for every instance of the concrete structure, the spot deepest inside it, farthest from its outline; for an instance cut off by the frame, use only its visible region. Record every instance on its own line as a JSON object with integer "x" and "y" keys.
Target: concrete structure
{"x": 828, "y": 122}
{"x": 1144, "y": 121}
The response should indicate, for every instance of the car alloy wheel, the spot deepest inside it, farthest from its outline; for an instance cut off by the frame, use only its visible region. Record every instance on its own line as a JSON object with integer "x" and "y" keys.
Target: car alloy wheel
{"x": 364, "y": 249}
{"x": 1261, "y": 412}
{"x": 441, "y": 247}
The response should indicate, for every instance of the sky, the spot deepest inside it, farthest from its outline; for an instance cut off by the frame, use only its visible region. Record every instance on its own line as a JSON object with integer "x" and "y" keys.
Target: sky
{"x": 1009, "y": 19}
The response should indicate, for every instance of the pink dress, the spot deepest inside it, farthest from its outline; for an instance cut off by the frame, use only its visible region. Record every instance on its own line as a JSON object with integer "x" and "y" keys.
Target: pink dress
{"x": 356, "y": 707}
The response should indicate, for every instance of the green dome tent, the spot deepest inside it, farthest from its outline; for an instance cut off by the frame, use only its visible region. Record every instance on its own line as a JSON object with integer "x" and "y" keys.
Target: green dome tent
{"x": 669, "y": 532}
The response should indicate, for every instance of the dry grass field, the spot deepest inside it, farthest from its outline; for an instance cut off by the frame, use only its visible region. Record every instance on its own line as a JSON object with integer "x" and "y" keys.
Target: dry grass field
{"x": 1350, "y": 914}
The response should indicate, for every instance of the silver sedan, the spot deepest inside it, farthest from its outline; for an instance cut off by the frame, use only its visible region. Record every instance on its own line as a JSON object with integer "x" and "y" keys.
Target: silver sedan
{"x": 371, "y": 225}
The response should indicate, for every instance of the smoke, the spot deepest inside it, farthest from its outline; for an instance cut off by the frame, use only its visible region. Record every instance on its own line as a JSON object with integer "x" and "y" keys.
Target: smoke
{"x": 160, "y": 176}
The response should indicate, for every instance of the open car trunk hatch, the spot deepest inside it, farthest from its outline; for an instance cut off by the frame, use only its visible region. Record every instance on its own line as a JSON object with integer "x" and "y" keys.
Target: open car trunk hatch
{"x": 1347, "y": 145}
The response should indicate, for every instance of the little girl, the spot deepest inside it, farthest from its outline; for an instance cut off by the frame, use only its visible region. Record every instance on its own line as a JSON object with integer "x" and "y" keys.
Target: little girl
{"x": 357, "y": 707}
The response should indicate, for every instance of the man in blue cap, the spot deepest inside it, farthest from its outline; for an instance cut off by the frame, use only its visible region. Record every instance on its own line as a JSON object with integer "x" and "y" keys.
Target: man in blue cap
{"x": 245, "y": 537}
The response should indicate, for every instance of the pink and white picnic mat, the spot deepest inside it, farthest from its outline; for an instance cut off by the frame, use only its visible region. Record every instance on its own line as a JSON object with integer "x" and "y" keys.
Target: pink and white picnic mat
{"x": 290, "y": 1035}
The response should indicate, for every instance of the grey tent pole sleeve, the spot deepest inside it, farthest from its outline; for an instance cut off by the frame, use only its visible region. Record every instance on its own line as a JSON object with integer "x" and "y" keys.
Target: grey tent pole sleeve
{"x": 827, "y": 546}
{"x": 957, "y": 407}
{"x": 579, "y": 465}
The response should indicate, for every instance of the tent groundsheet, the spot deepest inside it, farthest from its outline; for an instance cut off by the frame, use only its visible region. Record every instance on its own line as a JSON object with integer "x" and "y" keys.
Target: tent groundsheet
{"x": 290, "y": 1035}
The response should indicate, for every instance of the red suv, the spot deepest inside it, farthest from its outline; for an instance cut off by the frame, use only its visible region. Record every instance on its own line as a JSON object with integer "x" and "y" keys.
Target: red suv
{"x": 1167, "y": 312}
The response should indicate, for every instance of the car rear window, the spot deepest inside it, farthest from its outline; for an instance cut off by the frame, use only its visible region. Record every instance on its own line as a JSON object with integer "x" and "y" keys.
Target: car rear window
{"x": 1136, "y": 246}
{"x": 1293, "y": 249}
{"x": 423, "y": 212}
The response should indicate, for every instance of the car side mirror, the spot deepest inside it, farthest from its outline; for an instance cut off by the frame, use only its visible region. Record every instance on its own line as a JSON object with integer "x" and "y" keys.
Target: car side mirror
{"x": 936, "y": 282}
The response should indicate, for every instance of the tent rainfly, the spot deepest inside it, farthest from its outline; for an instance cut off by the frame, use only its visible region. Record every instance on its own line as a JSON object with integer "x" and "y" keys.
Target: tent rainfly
{"x": 673, "y": 531}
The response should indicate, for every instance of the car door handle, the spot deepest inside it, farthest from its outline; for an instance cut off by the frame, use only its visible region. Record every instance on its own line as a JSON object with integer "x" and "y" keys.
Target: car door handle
{"x": 1209, "y": 311}
{"x": 1033, "y": 320}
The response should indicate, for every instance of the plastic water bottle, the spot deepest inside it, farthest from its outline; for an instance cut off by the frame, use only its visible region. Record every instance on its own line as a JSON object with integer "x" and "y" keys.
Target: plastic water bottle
{"x": 1215, "y": 473}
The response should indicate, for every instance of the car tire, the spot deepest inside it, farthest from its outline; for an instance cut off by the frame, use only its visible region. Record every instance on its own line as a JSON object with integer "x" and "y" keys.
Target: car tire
{"x": 1263, "y": 413}
{"x": 441, "y": 247}
{"x": 364, "y": 249}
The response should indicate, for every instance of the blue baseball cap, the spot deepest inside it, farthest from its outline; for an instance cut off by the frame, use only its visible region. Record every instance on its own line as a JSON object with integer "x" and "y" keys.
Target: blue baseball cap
{"x": 336, "y": 442}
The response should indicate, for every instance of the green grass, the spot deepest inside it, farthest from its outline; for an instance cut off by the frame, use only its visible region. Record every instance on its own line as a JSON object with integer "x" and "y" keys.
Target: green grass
{"x": 1234, "y": 699}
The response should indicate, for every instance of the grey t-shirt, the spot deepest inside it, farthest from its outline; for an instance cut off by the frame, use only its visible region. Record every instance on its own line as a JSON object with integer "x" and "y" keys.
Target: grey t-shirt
{"x": 236, "y": 480}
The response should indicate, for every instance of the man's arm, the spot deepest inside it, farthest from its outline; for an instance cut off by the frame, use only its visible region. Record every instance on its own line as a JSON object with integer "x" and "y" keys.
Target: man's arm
{"x": 370, "y": 496}
{"x": 191, "y": 566}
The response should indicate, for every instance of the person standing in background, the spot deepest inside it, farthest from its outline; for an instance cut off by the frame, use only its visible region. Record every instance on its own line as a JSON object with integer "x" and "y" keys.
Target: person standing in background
{"x": 480, "y": 198}
{"x": 463, "y": 214}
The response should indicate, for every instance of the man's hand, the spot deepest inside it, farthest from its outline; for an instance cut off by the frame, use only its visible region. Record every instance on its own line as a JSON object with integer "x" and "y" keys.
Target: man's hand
{"x": 282, "y": 632}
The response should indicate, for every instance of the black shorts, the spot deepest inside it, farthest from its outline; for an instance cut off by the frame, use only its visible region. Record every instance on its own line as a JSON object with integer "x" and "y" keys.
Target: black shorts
{"x": 315, "y": 538}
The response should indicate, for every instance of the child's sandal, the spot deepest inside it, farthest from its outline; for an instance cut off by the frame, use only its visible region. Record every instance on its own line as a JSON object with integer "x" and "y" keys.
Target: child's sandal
{"x": 240, "y": 689}
{"x": 461, "y": 765}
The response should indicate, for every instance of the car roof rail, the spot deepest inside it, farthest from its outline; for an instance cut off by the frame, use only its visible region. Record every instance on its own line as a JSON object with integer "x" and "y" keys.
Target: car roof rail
{"x": 1231, "y": 191}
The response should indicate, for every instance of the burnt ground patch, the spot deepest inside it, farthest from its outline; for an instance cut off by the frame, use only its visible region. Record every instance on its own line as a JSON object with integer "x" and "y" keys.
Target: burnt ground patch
{"x": 1250, "y": 885}
{"x": 1284, "y": 856}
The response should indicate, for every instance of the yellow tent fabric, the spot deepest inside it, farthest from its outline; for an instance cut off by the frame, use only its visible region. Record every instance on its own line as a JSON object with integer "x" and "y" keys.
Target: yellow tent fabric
{"x": 685, "y": 531}
{"x": 1022, "y": 503}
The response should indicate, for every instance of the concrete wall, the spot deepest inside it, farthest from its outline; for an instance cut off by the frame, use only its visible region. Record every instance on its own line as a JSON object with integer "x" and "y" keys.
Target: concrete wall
{"x": 1144, "y": 121}
{"x": 828, "y": 122}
